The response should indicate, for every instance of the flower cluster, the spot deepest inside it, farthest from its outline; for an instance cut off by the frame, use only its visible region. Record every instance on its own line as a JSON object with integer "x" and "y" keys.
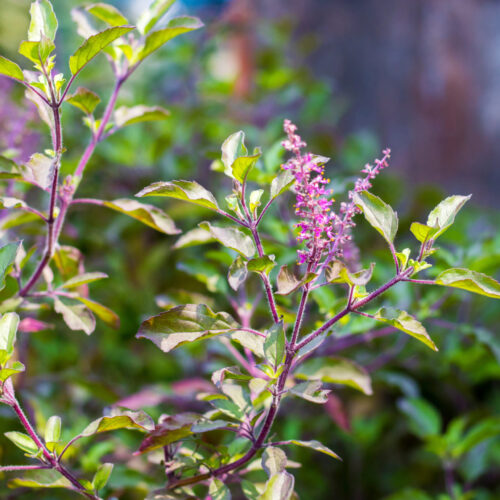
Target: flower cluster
{"x": 321, "y": 229}
{"x": 313, "y": 206}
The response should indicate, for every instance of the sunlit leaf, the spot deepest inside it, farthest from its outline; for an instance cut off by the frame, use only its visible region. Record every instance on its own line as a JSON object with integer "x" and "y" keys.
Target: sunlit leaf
{"x": 274, "y": 345}
{"x": 281, "y": 183}
{"x": 10, "y": 69}
{"x": 314, "y": 445}
{"x": 406, "y": 323}
{"x": 232, "y": 238}
{"x": 218, "y": 490}
{"x": 23, "y": 441}
{"x": 82, "y": 279}
{"x": 124, "y": 420}
{"x": 311, "y": 391}
{"x": 287, "y": 282}
{"x": 237, "y": 273}
{"x": 336, "y": 370}
{"x": 107, "y": 13}
{"x": 124, "y": 115}
{"x": 443, "y": 216}
{"x": 273, "y": 460}
{"x": 379, "y": 214}
{"x": 152, "y": 14}
{"x": 182, "y": 190}
{"x": 43, "y": 21}
{"x": 52, "y": 432}
{"x": 101, "y": 311}
{"x": 94, "y": 45}
{"x": 184, "y": 324}
{"x": 84, "y": 99}
{"x": 76, "y": 316}
{"x": 7, "y": 256}
{"x": 41, "y": 479}
{"x": 102, "y": 476}
{"x": 471, "y": 281}
{"x": 279, "y": 487}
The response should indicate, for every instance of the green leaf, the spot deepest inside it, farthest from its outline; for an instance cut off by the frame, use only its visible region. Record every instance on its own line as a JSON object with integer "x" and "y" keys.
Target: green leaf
{"x": 82, "y": 279}
{"x": 279, "y": 487}
{"x": 152, "y": 15}
{"x": 41, "y": 479}
{"x": 443, "y": 216}
{"x": 232, "y": 238}
{"x": 94, "y": 45}
{"x": 9, "y": 323}
{"x": 124, "y": 116}
{"x": 41, "y": 169}
{"x": 10, "y": 69}
{"x": 233, "y": 147}
{"x": 43, "y": 21}
{"x": 314, "y": 445}
{"x": 184, "y": 324}
{"x": 209, "y": 425}
{"x": 422, "y": 232}
{"x": 84, "y": 99}
{"x": 7, "y": 256}
{"x": 147, "y": 214}
{"x": 6, "y": 202}
{"x": 262, "y": 264}
{"x": 337, "y": 272}
{"x": 255, "y": 197}
{"x": 156, "y": 39}
{"x": 23, "y": 441}
{"x": 274, "y": 345}
{"x": 281, "y": 183}
{"x": 406, "y": 323}
{"x": 76, "y": 316}
{"x": 37, "y": 52}
{"x": 242, "y": 166}
{"x": 124, "y": 420}
{"x": 228, "y": 407}
{"x": 424, "y": 419}
{"x": 489, "y": 427}
{"x": 13, "y": 369}
{"x": 471, "y": 281}
{"x": 196, "y": 236}
{"x": 102, "y": 312}
{"x": 237, "y": 272}
{"x": 218, "y": 490}
{"x": 273, "y": 460}
{"x": 52, "y": 432}
{"x": 251, "y": 341}
{"x": 102, "y": 476}
{"x": 338, "y": 371}
{"x": 182, "y": 190}
{"x": 287, "y": 282}
{"x": 107, "y": 13}
{"x": 380, "y": 215}
{"x": 311, "y": 391}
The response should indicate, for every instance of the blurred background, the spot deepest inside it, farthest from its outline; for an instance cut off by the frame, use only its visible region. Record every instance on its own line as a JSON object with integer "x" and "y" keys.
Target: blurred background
{"x": 421, "y": 77}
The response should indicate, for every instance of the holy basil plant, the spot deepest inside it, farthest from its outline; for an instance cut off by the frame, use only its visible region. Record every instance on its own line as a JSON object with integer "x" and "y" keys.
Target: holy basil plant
{"x": 282, "y": 359}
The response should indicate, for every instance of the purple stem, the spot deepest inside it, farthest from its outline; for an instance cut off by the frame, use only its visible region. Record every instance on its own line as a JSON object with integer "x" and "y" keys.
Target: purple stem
{"x": 12, "y": 468}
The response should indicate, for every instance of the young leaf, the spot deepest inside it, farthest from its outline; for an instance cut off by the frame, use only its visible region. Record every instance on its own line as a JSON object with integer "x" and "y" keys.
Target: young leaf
{"x": 314, "y": 445}
{"x": 281, "y": 183}
{"x": 196, "y": 236}
{"x": 443, "y": 216}
{"x": 124, "y": 116}
{"x": 273, "y": 460}
{"x": 13, "y": 369}
{"x": 10, "y": 69}
{"x": 406, "y": 323}
{"x": 311, "y": 391}
{"x": 107, "y": 13}
{"x": 23, "y": 441}
{"x": 182, "y": 190}
{"x": 262, "y": 264}
{"x": 9, "y": 323}
{"x": 251, "y": 341}
{"x": 184, "y": 324}
{"x": 255, "y": 197}
{"x": 242, "y": 165}
{"x": 233, "y": 147}
{"x": 102, "y": 312}
{"x": 380, "y": 215}
{"x": 274, "y": 345}
{"x": 338, "y": 371}
{"x": 424, "y": 418}
{"x": 218, "y": 490}
{"x": 147, "y": 214}
{"x": 471, "y": 281}
{"x": 84, "y": 99}
{"x": 279, "y": 487}
{"x": 82, "y": 279}
{"x": 43, "y": 21}
{"x": 422, "y": 232}
{"x": 94, "y": 45}
{"x": 41, "y": 479}
{"x": 125, "y": 420}
{"x": 152, "y": 15}
{"x": 102, "y": 476}
{"x": 232, "y": 238}
{"x": 237, "y": 272}
{"x": 287, "y": 282}
{"x": 156, "y": 39}
{"x": 52, "y": 432}
{"x": 7, "y": 256}
{"x": 76, "y": 316}
{"x": 37, "y": 52}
